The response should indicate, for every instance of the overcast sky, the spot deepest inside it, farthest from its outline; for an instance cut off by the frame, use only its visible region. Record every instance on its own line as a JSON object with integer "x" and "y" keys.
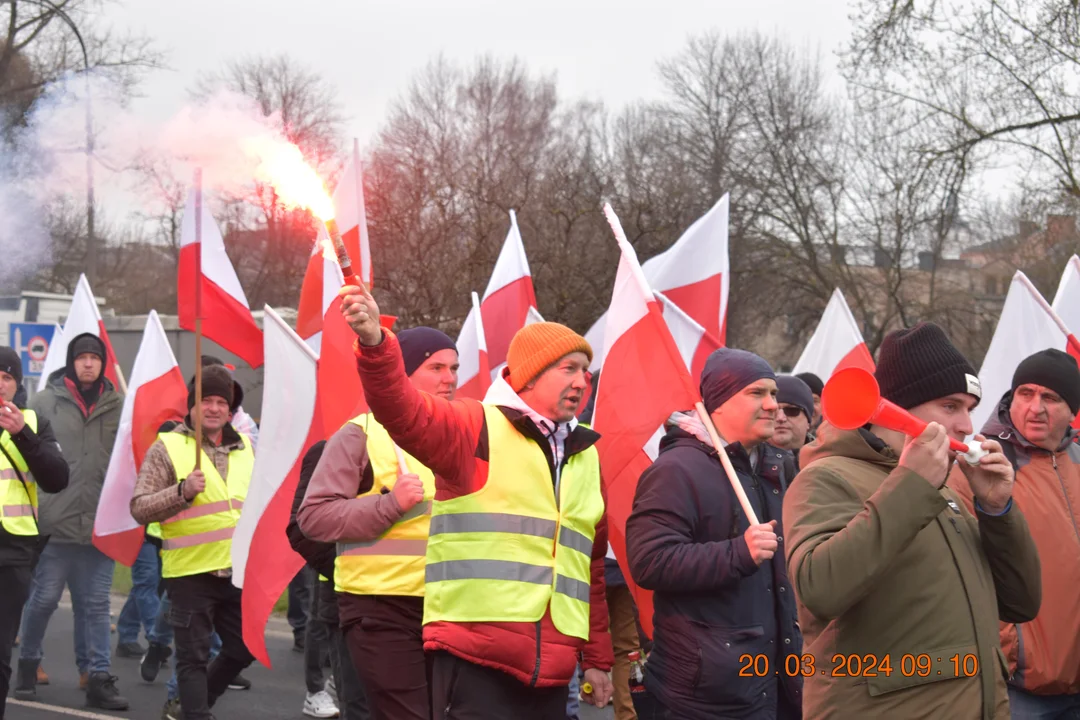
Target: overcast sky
{"x": 599, "y": 49}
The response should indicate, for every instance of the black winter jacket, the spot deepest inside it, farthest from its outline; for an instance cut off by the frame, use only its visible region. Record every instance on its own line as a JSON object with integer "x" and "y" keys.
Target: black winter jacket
{"x": 319, "y": 555}
{"x": 713, "y": 606}
{"x": 50, "y": 471}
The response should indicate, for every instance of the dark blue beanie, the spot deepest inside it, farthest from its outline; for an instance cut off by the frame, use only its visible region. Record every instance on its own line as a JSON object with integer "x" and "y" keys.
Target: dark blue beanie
{"x": 420, "y": 343}
{"x": 727, "y": 371}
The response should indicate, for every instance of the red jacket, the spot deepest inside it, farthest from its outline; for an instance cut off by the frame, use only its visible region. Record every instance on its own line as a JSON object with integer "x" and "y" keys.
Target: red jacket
{"x": 451, "y": 439}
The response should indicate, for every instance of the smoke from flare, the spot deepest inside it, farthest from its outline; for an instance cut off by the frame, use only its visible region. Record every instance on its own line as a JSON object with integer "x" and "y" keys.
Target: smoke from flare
{"x": 282, "y": 165}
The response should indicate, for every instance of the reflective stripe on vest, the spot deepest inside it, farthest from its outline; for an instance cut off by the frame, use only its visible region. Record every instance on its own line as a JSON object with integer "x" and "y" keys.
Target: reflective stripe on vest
{"x": 18, "y": 505}
{"x": 199, "y": 538}
{"x": 393, "y": 564}
{"x": 508, "y": 552}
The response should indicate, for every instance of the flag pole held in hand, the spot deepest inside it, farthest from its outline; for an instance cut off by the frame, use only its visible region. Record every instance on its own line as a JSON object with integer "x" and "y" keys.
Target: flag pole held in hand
{"x": 726, "y": 462}
{"x": 197, "y": 408}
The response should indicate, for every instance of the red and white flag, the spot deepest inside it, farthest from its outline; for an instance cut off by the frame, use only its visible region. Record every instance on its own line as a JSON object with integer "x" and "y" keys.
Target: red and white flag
{"x": 508, "y": 297}
{"x": 695, "y": 344}
{"x": 157, "y": 393}
{"x": 693, "y": 274}
{"x": 83, "y": 317}
{"x": 352, "y": 217}
{"x": 474, "y": 372}
{"x": 1067, "y": 301}
{"x": 322, "y": 281}
{"x": 1027, "y": 325}
{"x": 837, "y": 343}
{"x": 226, "y": 316}
{"x": 262, "y": 559}
{"x": 645, "y": 382}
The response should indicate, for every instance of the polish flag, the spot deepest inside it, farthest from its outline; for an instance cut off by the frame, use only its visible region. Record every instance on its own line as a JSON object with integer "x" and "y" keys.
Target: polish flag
{"x": 352, "y": 217}
{"x": 322, "y": 281}
{"x": 226, "y": 316}
{"x": 693, "y": 274}
{"x": 694, "y": 342}
{"x": 509, "y": 295}
{"x": 836, "y": 344}
{"x": 1027, "y": 325}
{"x": 262, "y": 560}
{"x": 474, "y": 373}
{"x": 83, "y": 317}
{"x": 1067, "y": 301}
{"x": 646, "y": 381}
{"x": 157, "y": 394}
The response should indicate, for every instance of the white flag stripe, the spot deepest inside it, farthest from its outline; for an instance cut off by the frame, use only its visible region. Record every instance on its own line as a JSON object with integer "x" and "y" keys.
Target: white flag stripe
{"x": 1067, "y": 300}
{"x": 286, "y": 420}
{"x": 836, "y": 335}
{"x": 216, "y": 265}
{"x": 511, "y": 265}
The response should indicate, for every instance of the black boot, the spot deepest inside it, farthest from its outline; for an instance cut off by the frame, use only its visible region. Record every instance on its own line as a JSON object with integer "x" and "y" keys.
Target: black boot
{"x": 26, "y": 682}
{"x": 102, "y": 692}
{"x": 155, "y": 657}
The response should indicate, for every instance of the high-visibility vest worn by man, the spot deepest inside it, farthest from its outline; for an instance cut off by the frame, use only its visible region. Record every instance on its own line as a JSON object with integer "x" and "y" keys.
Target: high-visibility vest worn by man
{"x": 378, "y": 514}
{"x": 514, "y": 589}
{"x": 30, "y": 460}
{"x": 198, "y": 511}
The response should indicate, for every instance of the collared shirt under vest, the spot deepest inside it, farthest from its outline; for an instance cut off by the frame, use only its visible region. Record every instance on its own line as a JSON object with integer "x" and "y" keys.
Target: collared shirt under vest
{"x": 18, "y": 504}
{"x": 393, "y": 564}
{"x": 521, "y": 543}
{"x": 199, "y": 539}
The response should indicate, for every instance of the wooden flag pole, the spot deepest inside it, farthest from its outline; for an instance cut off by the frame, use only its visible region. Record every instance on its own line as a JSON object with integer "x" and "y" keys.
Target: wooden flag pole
{"x": 733, "y": 478}
{"x": 197, "y": 408}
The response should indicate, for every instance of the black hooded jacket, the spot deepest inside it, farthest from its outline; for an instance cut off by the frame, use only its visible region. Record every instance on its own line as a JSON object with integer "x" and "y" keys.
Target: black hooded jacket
{"x": 713, "y": 605}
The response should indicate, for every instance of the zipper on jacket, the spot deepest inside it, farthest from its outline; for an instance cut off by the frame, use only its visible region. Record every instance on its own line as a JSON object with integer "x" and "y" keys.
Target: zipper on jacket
{"x": 536, "y": 671}
{"x": 1065, "y": 494}
{"x": 955, "y": 526}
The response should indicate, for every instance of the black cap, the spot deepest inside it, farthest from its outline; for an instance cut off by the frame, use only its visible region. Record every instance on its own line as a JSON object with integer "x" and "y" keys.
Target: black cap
{"x": 727, "y": 371}
{"x": 420, "y": 343}
{"x": 216, "y": 381}
{"x": 920, "y": 364}
{"x": 790, "y": 390}
{"x": 813, "y": 382}
{"x": 11, "y": 363}
{"x": 1053, "y": 369}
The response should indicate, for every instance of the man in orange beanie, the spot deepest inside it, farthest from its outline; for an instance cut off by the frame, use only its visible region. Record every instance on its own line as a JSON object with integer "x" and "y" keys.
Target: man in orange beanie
{"x": 514, "y": 582}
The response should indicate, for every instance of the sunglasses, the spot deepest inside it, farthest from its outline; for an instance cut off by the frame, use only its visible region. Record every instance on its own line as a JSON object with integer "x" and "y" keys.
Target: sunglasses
{"x": 792, "y": 412}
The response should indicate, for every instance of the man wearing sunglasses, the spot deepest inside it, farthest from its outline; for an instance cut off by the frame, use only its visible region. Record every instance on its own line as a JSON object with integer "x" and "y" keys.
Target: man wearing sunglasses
{"x": 795, "y": 410}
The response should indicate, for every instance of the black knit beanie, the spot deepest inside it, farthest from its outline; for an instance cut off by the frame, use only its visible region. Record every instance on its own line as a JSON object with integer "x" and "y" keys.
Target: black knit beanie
{"x": 216, "y": 380}
{"x": 11, "y": 363}
{"x": 87, "y": 343}
{"x": 813, "y": 382}
{"x": 920, "y": 364}
{"x": 727, "y": 371}
{"x": 420, "y": 343}
{"x": 1053, "y": 369}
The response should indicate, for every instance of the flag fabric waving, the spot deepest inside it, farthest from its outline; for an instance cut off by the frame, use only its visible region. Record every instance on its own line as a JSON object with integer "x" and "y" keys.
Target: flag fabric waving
{"x": 836, "y": 344}
{"x": 694, "y": 342}
{"x": 693, "y": 274}
{"x": 474, "y": 372}
{"x": 508, "y": 296}
{"x": 263, "y": 561}
{"x": 1067, "y": 300}
{"x": 157, "y": 393}
{"x": 1027, "y": 325}
{"x": 83, "y": 317}
{"x": 646, "y": 380}
{"x": 351, "y": 216}
{"x": 227, "y": 318}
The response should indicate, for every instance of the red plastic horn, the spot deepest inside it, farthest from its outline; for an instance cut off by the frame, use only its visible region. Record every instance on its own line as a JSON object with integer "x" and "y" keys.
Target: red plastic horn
{"x": 852, "y": 398}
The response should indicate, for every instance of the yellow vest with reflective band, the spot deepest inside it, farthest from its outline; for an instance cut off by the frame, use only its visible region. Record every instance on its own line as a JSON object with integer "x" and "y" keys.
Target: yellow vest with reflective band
{"x": 154, "y": 530}
{"x": 508, "y": 551}
{"x": 199, "y": 539}
{"x": 394, "y": 563}
{"x": 18, "y": 508}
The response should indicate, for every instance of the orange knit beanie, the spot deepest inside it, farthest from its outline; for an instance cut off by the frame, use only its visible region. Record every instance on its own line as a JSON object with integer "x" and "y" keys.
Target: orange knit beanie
{"x": 536, "y": 347}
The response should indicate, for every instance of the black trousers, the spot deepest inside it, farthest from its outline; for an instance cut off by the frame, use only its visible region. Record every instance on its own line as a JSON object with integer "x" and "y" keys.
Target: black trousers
{"x": 352, "y": 699}
{"x": 202, "y": 604}
{"x": 461, "y": 690}
{"x": 14, "y": 589}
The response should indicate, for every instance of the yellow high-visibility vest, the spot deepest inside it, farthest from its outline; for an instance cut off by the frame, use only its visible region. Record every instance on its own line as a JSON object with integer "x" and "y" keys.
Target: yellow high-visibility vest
{"x": 18, "y": 505}
{"x": 508, "y": 551}
{"x": 199, "y": 539}
{"x": 393, "y": 564}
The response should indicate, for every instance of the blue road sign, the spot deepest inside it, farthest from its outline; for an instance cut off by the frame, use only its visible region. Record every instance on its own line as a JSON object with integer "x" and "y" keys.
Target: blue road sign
{"x": 31, "y": 341}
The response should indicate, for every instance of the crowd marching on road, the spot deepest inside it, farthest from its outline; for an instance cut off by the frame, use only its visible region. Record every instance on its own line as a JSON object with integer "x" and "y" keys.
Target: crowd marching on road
{"x": 459, "y": 553}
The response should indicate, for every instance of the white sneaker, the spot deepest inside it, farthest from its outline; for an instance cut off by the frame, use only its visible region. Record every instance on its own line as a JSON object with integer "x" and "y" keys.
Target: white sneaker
{"x": 320, "y": 705}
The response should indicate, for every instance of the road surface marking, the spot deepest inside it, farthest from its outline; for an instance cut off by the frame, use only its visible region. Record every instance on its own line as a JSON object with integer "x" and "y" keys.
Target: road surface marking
{"x": 62, "y": 710}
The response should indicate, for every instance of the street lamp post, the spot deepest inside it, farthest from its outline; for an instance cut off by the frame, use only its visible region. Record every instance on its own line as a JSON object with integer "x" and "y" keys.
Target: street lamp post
{"x": 91, "y": 242}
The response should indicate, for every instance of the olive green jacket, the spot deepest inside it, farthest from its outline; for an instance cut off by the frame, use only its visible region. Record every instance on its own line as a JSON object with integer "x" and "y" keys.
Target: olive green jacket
{"x": 886, "y": 566}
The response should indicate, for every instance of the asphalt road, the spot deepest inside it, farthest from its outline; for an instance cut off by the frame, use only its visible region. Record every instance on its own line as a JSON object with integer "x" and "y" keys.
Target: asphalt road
{"x": 276, "y": 694}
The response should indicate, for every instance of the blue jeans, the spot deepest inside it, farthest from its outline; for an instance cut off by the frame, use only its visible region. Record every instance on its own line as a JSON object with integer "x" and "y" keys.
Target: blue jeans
{"x": 1025, "y": 706}
{"x": 162, "y": 632}
{"x": 88, "y": 573}
{"x": 141, "y": 608}
{"x": 82, "y": 661}
{"x": 573, "y": 702}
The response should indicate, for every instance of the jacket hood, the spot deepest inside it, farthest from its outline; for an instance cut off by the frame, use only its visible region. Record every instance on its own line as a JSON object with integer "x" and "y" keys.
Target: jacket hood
{"x": 858, "y": 444}
{"x": 1000, "y": 426}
